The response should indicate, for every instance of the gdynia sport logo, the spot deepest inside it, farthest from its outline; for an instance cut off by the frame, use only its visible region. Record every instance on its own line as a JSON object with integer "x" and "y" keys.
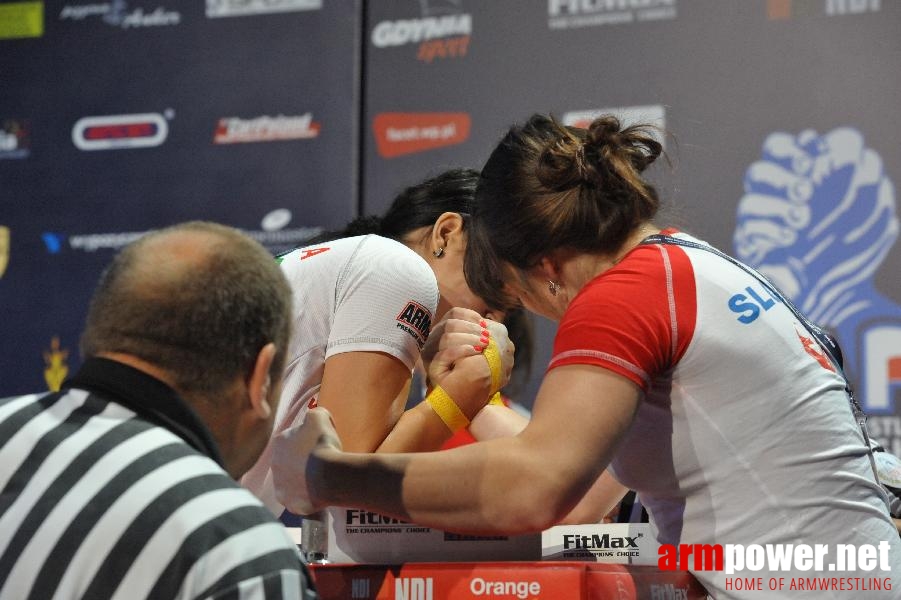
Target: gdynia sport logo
{"x": 805, "y": 566}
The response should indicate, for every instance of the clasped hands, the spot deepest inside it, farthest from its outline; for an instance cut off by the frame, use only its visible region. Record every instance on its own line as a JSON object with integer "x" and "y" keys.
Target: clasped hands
{"x": 453, "y": 358}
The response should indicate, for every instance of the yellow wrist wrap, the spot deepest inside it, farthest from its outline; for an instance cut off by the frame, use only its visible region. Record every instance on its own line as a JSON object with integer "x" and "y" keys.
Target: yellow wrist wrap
{"x": 445, "y": 407}
{"x": 493, "y": 356}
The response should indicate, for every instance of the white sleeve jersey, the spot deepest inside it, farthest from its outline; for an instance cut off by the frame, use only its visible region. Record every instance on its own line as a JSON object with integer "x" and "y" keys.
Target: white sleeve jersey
{"x": 359, "y": 294}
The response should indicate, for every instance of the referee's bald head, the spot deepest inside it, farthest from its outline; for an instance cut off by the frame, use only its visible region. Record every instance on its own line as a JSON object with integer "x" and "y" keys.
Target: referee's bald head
{"x": 198, "y": 300}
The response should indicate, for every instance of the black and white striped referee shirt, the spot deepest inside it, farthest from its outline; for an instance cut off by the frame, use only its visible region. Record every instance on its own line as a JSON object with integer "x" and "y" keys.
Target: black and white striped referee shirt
{"x": 112, "y": 488}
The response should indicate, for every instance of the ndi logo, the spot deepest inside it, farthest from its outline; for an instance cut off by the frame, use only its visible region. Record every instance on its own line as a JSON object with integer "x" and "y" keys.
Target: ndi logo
{"x": 788, "y": 9}
{"x": 414, "y": 588}
{"x": 359, "y": 588}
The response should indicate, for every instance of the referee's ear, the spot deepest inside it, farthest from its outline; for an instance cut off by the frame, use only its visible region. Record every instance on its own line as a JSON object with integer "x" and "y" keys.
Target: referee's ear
{"x": 260, "y": 382}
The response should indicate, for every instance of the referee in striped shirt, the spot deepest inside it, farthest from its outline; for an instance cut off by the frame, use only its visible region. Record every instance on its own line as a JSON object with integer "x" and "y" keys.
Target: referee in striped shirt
{"x": 122, "y": 485}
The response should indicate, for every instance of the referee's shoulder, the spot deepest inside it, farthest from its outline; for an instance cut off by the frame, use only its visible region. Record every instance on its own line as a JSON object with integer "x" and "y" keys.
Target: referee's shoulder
{"x": 229, "y": 543}
{"x": 248, "y": 549}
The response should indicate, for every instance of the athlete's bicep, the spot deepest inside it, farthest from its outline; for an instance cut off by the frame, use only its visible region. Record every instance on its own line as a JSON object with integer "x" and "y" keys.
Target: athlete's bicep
{"x": 366, "y": 393}
{"x": 579, "y": 418}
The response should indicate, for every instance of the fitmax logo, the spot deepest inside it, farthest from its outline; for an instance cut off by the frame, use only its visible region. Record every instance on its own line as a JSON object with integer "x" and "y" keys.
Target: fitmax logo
{"x": 605, "y": 541}
{"x": 364, "y": 517}
{"x": 667, "y": 591}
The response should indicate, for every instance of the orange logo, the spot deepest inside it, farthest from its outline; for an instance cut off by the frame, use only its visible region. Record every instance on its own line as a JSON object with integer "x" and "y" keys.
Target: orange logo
{"x": 397, "y": 134}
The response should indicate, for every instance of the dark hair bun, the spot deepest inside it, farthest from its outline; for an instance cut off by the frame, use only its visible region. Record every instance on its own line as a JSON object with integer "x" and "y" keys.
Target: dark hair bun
{"x": 634, "y": 145}
{"x": 561, "y": 162}
{"x": 603, "y": 131}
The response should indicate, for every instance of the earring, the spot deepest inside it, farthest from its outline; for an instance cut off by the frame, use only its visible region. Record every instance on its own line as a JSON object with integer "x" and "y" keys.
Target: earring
{"x": 438, "y": 253}
{"x": 553, "y": 287}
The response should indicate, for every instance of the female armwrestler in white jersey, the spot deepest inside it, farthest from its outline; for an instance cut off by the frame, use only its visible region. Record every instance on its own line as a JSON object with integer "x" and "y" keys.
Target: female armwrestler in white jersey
{"x": 364, "y": 307}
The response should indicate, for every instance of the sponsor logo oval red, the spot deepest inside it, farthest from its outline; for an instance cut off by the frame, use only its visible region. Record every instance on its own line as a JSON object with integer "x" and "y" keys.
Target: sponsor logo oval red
{"x": 120, "y": 131}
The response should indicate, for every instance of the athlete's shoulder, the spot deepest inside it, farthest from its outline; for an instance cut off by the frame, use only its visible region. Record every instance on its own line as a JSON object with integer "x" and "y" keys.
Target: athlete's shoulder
{"x": 392, "y": 259}
{"x": 656, "y": 264}
{"x": 323, "y": 251}
{"x": 358, "y": 247}
{"x": 378, "y": 245}
{"x": 670, "y": 256}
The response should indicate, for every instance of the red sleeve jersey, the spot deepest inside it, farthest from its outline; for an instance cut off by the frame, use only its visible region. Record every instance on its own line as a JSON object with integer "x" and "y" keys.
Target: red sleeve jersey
{"x": 635, "y": 319}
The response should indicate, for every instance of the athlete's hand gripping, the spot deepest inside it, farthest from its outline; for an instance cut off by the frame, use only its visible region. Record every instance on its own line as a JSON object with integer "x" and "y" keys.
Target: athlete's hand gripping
{"x": 294, "y": 460}
{"x": 472, "y": 368}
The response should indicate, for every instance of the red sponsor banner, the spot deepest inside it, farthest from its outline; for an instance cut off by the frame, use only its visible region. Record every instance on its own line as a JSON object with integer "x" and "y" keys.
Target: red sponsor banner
{"x": 522, "y": 580}
{"x": 434, "y": 581}
{"x": 397, "y": 134}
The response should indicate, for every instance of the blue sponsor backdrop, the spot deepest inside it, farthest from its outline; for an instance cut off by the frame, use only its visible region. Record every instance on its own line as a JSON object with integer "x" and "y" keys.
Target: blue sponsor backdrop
{"x": 125, "y": 116}
{"x": 782, "y": 114}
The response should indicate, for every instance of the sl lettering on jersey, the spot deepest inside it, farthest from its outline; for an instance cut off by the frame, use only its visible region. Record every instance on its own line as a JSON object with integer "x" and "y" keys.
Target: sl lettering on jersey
{"x": 416, "y": 320}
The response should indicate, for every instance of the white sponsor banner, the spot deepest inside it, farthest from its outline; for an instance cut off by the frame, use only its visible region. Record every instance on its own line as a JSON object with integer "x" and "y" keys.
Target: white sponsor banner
{"x": 359, "y": 536}
{"x": 619, "y": 543}
{"x": 242, "y": 8}
{"x": 571, "y": 14}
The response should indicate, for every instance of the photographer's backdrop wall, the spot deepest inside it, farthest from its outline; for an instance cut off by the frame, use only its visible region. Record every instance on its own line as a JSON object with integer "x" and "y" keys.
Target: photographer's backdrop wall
{"x": 286, "y": 117}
